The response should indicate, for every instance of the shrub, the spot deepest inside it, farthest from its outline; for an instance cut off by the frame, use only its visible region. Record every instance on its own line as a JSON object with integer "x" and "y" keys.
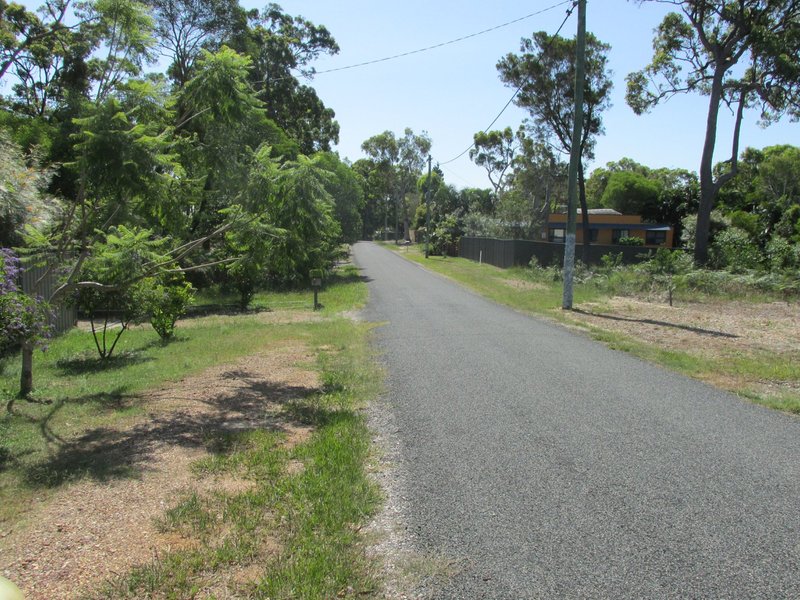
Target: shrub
{"x": 735, "y": 251}
{"x": 631, "y": 241}
{"x": 168, "y": 300}
{"x": 781, "y": 254}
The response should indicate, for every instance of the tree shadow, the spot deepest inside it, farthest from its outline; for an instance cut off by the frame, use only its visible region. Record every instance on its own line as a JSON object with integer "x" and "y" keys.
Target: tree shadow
{"x": 698, "y": 330}
{"x": 82, "y": 365}
{"x": 106, "y": 453}
{"x": 354, "y": 275}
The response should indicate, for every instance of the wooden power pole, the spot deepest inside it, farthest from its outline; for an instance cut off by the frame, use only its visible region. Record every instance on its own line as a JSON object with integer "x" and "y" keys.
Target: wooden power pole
{"x": 575, "y": 159}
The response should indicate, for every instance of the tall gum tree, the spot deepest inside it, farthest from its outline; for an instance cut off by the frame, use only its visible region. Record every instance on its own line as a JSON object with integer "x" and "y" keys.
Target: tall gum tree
{"x": 741, "y": 54}
{"x": 544, "y": 74}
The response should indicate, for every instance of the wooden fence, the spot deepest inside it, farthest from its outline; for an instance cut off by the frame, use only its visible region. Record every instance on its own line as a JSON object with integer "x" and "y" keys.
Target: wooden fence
{"x": 38, "y": 281}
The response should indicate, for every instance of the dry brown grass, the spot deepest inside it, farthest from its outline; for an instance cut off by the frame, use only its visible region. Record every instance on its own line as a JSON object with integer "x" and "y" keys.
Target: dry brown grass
{"x": 715, "y": 331}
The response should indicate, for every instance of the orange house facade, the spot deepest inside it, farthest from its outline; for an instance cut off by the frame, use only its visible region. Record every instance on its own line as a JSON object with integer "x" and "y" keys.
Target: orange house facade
{"x": 607, "y": 227}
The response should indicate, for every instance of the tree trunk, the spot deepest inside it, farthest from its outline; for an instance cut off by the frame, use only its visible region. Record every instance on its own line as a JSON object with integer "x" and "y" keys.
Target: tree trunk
{"x": 26, "y": 378}
{"x": 707, "y": 187}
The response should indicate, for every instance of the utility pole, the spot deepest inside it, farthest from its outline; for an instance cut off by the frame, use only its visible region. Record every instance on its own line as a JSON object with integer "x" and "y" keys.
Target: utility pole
{"x": 428, "y": 208}
{"x": 574, "y": 159}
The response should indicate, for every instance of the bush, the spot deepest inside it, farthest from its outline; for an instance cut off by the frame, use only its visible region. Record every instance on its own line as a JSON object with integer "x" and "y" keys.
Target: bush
{"x": 735, "y": 251}
{"x": 782, "y": 255}
{"x": 168, "y": 301}
{"x": 631, "y": 241}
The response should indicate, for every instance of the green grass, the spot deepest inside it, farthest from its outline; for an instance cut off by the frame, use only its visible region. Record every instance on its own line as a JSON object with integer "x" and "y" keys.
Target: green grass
{"x": 336, "y": 295}
{"x": 297, "y": 528}
{"x": 506, "y": 286}
{"x": 523, "y": 290}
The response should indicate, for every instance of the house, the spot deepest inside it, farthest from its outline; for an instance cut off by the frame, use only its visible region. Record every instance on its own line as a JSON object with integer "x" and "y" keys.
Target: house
{"x": 607, "y": 226}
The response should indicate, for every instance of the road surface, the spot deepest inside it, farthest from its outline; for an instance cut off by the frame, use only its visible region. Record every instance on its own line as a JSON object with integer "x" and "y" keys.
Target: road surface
{"x": 545, "y": 465}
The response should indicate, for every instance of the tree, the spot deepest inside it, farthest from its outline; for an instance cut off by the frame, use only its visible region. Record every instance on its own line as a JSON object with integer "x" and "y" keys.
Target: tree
{"x": 495, "y": 151}
{"x": 544, "y": 74}
{"x": 598, "y": 180}
{"x": 184, "y": 27}
{"x": 23, "y": 198}
{"x": 279, "y": 47}
{"x": 24, "y": 33}
{"x": 402, "y": 161}
{"x": 303, "y": 208}
{"x": 631, "y": 193}
{"x": 375, "y": 178}
{"x": 741, "y": 54}
{"x": 121, "y": 34}
{"x": 538, "y": 184}
{"x": 346, "y": 187}
{"x": 677, "y": 192}
{"x": 117, "y": 263}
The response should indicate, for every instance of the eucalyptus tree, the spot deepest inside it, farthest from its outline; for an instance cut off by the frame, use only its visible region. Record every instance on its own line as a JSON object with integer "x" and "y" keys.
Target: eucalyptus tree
{"x": 24, "y": 33}
{"x": 495, "y": 151}
{"x": 282, "y": 48}
{"x": 741, "y": 54}
{"x": 544, "y": 75}
{"x": 185, "y": 27}
{"x": 536, "y": 186}
{"x": 402, "y": 160}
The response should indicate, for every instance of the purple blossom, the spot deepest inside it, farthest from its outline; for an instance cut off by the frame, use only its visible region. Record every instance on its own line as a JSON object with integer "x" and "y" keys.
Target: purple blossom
{"x": 9, "y": 271}
{"x": 22, "y": 318}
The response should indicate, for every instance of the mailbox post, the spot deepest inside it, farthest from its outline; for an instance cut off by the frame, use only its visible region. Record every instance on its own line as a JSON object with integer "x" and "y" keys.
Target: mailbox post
{"x": 316, "y": 284}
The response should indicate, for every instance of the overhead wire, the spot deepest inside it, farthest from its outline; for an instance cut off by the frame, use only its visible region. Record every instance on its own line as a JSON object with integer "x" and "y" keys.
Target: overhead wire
{"x": 442, "y": 44}
{"x": 570, "y": 10}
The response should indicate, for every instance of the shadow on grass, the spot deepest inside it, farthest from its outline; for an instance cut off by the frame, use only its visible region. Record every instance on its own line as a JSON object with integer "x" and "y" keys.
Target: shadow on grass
{"x": 698, "y": 330}
{"x": 106, "y": 453}
{"x": 82, "y": 365}
{"x": 352, "y": 276}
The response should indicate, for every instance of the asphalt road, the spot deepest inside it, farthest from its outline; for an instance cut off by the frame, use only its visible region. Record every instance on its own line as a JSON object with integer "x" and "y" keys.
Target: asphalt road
{"x": 545, "y": 465}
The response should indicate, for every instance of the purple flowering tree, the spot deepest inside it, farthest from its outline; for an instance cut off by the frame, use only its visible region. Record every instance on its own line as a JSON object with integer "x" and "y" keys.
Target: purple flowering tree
{"x": 24, "y": 320}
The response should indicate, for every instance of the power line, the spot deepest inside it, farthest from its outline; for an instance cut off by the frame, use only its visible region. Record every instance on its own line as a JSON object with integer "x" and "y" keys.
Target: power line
{"x": 454, "y": 41}
{"x": 570, "y": 10}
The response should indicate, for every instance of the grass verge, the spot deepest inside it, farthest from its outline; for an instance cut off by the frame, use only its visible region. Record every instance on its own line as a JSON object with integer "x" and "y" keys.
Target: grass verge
{"x": 291, "y": 528}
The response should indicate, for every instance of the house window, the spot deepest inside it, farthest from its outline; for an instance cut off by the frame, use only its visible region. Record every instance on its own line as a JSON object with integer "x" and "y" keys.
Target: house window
{"x": 618, "y": 234}
{"x": 557, "y": 234}
{"x": 593, "y": 235}
{"x": 655, "y": 238}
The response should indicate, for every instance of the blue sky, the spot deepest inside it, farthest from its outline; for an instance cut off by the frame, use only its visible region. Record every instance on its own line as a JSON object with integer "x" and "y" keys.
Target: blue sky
{"x": 454, "y": 91}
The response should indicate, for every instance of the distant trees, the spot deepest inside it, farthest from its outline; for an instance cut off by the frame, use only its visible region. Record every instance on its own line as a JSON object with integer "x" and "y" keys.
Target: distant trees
{"x": 659, "y": 195}
{"x": 495, "y": 151}
{"x": 397, "y": 164}
{"x": 741, "y": 54}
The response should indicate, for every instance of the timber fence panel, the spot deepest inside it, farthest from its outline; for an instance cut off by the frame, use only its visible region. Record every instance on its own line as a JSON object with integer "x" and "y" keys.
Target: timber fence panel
{"x": 41, "y": 281}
